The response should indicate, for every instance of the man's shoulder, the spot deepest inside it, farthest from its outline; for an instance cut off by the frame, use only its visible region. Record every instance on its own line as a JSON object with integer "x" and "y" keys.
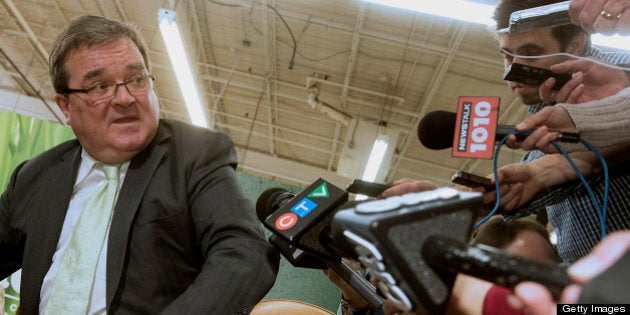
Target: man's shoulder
{"x": 191, "y": 138}
{"x": 57, "y": 152}
{"x": 52, "y": 156}
{"x": 179, "y": 128}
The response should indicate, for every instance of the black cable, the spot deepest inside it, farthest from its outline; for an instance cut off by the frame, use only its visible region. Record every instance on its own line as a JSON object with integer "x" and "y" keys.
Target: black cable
{"x": 292, "y": 61}
{"x": 290, "y": 33}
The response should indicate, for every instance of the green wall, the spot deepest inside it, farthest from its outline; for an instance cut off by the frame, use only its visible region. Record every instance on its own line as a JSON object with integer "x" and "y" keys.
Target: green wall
{"x": 307, "y": 285}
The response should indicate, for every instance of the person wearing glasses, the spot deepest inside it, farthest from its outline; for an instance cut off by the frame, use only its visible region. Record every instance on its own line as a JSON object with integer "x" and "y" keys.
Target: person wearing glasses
{"x": 137, "y": 215}
{"x": 547, "y": 182}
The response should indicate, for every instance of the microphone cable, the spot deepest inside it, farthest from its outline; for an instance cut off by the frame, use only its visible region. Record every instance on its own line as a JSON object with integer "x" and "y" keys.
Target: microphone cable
{"x": 601, "y": 210}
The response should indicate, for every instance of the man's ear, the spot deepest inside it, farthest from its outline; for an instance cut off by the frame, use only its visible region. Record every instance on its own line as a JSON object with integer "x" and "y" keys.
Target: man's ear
{"x": 64, "y": 105}
{"x": 577, "y": 45}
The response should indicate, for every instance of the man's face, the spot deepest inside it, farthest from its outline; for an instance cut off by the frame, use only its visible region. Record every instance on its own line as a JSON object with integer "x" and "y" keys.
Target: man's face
{"x": 117, "y": 128}
{"x": 533, "y": 43}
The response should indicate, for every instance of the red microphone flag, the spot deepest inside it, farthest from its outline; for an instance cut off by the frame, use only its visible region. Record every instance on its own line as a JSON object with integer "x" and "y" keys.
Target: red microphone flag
{"x": 475, "y": 127}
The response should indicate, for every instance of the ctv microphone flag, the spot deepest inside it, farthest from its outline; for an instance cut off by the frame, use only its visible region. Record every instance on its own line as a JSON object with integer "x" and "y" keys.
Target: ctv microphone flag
{"x": 301, "y": 220}
{"x": 475, "y": 127}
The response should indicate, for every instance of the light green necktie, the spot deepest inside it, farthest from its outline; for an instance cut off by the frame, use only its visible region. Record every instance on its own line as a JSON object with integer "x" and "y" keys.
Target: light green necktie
{"x": 72, "y": 287}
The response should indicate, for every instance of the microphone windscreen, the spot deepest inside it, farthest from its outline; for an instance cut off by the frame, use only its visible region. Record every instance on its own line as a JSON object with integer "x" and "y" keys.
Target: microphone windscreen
{"x": 266, "y": 200}
{"x": 436, "y": 129}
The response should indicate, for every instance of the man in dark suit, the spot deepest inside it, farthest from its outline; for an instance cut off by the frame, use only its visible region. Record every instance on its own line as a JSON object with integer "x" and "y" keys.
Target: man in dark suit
{"x": 183, "y": 239}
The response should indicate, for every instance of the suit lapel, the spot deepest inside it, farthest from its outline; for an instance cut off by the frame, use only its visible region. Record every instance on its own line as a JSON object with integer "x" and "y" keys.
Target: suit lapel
{"x": 138, "y": 176}
{"x": 55, "y": 182}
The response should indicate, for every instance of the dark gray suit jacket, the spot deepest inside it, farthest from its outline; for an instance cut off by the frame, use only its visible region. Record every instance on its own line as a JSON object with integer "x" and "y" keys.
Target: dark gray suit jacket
{"x": 183, "y": 238}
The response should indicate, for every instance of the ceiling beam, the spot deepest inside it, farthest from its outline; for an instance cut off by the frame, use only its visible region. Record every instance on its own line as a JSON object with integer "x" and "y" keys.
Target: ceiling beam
{"x": 386, "y": 38}
{"x": 434, "y": 86}
{"x": 203, "y": 35}
{"x": 43, "y": 53}
{"x": 270, "y": 88}
{"x": 352, "y": 58}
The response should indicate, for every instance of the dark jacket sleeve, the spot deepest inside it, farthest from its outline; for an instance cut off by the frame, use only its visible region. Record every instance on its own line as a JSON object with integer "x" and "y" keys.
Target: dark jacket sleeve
{"x": 11, "y": 246}
{"x": 239, "y": 266}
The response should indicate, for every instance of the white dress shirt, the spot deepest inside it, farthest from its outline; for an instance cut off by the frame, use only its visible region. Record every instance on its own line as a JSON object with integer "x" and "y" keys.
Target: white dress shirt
{"x": 88, "y": 180}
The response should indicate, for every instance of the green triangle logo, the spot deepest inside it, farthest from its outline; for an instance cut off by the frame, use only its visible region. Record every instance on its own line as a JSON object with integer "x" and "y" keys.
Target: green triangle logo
{"x": 320, "y": 192}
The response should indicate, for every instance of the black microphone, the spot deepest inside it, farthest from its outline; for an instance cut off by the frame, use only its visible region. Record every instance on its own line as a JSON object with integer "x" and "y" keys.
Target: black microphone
{"x": 437, "y": 129}
{"x": 300, "y": 225}
{"x": 268, "y": 202}
{"x": 415, "y": 244}
{"x": 493, "y": 265}
{"x": 303, "y": 220}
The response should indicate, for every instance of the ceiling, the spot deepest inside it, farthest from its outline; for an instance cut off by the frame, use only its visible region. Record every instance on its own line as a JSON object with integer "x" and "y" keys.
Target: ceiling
{"x": 378, "y": 65}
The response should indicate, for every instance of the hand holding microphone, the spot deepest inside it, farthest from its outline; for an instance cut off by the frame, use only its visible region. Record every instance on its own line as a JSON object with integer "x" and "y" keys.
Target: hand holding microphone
{"x": 604, "y": 264}
{"x": 548, "y": 119}
{"x": 437, "y": 129}
{"x": 301, "y": 231}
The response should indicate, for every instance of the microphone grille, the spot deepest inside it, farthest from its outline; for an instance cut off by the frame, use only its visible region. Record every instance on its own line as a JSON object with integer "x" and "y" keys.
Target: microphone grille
{"x": 266, "y": 200}
{"x": 436, "y": 129}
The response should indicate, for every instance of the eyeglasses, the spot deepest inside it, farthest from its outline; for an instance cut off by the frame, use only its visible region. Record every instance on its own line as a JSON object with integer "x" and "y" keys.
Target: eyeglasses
{"x": 135, "y": 86}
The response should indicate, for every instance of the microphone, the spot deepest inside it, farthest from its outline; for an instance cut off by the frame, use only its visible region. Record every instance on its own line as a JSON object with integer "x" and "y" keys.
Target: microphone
{"x": 415, "y": 244}
{"x": 493, "y": 265}
{"x": 303, "y": 220}
{"x": 436, "y": 131}
{"x": 268, "y": 202}
{"x": 301, "y": 231}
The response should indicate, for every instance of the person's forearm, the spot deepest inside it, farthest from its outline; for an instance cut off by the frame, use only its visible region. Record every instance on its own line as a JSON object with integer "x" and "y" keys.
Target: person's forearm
{"x": 554, "y": 169}
{"x": 588, "y": 163}
{"x": 604, "y": 122}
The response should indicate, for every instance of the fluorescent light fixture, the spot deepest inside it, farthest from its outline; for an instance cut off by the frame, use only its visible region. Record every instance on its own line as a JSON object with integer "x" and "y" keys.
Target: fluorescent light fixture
{"x": 375, "y": 160}
{"x": 482, "y": 14}
{"x": 179, "y": 61}
{"x": 454, "y": 9}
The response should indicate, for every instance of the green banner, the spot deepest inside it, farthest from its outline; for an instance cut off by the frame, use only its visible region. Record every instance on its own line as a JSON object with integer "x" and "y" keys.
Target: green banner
{"x": 23, "y": 137}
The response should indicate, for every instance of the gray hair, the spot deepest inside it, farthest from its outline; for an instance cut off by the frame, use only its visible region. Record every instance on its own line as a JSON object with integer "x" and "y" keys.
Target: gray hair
{"x": 88, "y": 30}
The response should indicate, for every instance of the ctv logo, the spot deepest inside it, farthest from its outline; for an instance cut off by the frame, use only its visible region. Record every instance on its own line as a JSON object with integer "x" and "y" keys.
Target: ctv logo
{"x": 302, "y": 208}
{"x": 475, "y": 127}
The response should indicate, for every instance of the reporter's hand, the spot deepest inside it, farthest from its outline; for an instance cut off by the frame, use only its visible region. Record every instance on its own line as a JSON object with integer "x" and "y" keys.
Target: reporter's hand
{"x": 591, "y": 81}
{"x": 537, "y": 300}
{"x": 518, "y": 184}
{"x": 588, "y": 15}
{"x": 572, "y": 90}
{"x": 408, "y": 185}
{"x": 554, "y": 118}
